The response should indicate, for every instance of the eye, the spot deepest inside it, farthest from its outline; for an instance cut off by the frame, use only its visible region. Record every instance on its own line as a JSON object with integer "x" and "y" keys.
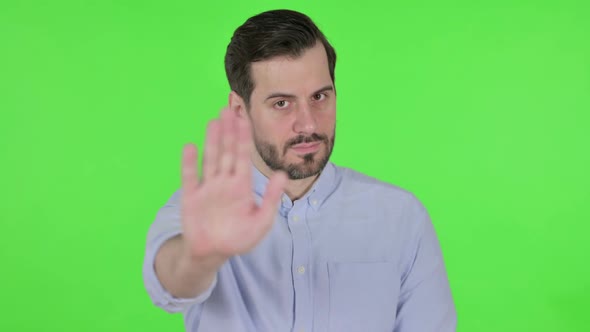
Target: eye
{"x": 319, "y": 96}
{"x": 281, "y": 104}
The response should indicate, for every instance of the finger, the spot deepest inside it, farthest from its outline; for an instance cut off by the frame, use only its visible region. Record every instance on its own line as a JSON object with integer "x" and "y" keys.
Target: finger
{"x": 228, "y": 142}
{"x": 189, "y": 171}
{"x": 243, "y": 149}
{"x": 211, "y": 155}
{"x": 272, "y": 196}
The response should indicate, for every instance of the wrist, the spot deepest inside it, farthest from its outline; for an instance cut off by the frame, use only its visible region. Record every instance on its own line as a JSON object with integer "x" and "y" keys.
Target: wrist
{"x": 190, "y": 263}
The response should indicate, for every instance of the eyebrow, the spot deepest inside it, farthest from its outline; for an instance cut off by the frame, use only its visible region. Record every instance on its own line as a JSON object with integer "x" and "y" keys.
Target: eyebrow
{"x": 286, "y": 95}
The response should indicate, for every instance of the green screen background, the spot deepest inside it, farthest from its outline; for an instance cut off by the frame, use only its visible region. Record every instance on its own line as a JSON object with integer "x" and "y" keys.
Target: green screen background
{"x": 479, "y": 109}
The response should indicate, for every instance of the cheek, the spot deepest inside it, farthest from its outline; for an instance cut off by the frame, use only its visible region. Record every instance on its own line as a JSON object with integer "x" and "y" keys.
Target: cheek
{"x": 327, "y": 120}
{"x": 278, "y": 134}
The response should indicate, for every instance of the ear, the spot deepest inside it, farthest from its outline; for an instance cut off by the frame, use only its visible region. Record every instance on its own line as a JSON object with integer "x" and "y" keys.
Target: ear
{"x": 236, "y": 104}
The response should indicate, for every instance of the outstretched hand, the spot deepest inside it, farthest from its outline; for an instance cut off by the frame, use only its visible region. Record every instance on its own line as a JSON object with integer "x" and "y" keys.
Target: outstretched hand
{"x": 220, "y": 217}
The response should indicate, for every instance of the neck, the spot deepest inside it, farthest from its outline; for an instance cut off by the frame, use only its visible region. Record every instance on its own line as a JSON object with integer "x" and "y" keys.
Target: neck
{"x": 295, "y": 189}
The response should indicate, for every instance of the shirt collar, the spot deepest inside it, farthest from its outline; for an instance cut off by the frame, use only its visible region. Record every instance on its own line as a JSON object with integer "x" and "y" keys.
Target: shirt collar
{"x": 321, "y": 189}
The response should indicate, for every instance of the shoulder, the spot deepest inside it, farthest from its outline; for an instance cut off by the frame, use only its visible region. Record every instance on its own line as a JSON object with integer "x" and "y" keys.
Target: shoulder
{"x": 374, "y": 194}
{"x": 353, "y": 182}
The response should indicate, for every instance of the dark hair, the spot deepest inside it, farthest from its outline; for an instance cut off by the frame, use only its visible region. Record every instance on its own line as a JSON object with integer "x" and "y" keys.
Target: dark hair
{"x": 267, "y": 35}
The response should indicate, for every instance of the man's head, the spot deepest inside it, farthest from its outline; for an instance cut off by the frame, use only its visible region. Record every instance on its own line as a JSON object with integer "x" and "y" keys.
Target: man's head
{"x": 280, "y": 68}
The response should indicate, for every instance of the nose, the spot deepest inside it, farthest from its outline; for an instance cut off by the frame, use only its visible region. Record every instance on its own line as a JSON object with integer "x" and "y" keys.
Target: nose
{"x": 305, "y": 122}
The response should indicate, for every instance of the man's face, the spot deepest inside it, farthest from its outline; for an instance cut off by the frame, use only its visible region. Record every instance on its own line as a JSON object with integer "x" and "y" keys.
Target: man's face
{"x": 293, "y": 112}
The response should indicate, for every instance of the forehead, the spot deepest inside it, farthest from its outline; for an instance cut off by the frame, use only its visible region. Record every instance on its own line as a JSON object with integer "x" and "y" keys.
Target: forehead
{"x": 303, "y": 74}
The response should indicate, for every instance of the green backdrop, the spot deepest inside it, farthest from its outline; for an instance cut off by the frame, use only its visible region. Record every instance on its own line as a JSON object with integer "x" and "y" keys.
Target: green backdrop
{"x": 479, "y": 109}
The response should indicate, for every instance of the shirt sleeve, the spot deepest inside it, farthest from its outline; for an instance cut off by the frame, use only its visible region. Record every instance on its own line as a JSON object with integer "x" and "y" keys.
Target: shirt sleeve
{"x": 166, "y": 226}
{"x": 426, "y": 303}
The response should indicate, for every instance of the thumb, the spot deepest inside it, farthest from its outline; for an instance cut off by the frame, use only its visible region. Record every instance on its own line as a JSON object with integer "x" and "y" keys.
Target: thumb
{"x": 273, "y": 193}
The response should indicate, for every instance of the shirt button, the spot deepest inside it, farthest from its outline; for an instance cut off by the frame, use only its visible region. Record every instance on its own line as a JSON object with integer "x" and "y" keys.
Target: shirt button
{"x": 295, "y": 218}
{"x": 301, "y": 269}
{"x": 314, "y": 202}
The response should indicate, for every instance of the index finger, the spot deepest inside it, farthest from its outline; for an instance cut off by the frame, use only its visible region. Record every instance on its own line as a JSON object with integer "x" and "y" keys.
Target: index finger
{"x": 190, "y": 174}
{"x": 244, "y": 146}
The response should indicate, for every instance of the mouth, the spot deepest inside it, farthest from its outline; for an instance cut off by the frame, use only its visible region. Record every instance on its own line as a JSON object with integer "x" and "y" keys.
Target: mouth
{"x": 304, "y": 148}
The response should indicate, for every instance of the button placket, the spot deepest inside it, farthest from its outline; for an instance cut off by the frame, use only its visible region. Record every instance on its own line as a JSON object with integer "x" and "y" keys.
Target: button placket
{"x": 301, "y": 269}
{"x": 300, "y": 266}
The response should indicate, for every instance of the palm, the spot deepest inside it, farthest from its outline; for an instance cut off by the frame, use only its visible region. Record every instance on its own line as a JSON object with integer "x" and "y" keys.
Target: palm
{"x": 219, "y": 213}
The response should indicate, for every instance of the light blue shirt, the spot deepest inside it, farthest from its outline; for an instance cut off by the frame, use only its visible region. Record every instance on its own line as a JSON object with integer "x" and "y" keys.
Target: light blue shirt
{"x": 353, "y": 254}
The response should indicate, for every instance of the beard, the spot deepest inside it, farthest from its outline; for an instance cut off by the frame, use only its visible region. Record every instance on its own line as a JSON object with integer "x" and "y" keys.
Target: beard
{"x": 312, "y": 163}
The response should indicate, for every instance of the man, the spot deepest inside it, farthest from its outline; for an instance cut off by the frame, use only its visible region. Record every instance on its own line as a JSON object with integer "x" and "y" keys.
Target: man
{"x": 274, "y": 237}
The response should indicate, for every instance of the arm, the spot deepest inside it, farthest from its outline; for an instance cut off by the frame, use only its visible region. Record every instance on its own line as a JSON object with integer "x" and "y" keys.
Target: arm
{"x": 182, "y": 276}
{"x": 426, "y": 303}
{"x": 210, "y": 219}
{"x": 163, "y": 237}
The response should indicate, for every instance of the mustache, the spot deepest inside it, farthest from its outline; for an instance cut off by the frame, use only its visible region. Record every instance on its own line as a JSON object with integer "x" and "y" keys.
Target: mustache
{"x": 305, "y": 139}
